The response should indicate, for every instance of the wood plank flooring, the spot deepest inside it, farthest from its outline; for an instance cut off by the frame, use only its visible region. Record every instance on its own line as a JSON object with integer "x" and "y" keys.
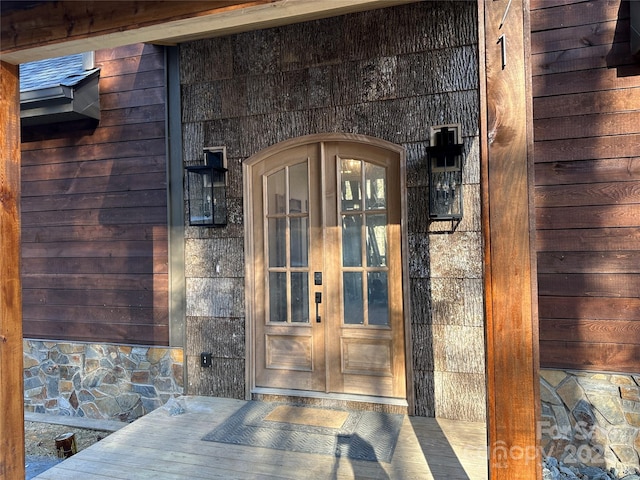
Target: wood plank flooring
{"x": 162, "y": 447}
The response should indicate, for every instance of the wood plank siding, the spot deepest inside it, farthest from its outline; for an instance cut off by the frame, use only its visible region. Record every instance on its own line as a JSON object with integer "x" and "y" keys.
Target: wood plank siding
{"x": 94, "y": 212}
{"x": 586, "y": 109}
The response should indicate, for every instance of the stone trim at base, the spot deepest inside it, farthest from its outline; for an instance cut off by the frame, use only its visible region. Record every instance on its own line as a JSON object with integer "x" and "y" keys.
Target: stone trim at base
{"x": 99, "y": 381}
{"x": 591, "y": 418}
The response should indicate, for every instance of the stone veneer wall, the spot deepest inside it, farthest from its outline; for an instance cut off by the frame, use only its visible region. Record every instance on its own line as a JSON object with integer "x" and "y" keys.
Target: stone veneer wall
{"x": 592, "y": 418}
{"x": 101, "y": 381}
{"x": 390, "y": 74}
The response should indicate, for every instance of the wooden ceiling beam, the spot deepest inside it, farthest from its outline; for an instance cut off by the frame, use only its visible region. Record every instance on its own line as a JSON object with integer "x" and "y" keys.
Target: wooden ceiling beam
{"x": 54, "y": 29}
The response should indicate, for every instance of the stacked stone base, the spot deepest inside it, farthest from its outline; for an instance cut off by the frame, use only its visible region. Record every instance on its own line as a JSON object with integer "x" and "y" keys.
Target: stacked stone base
{"x": 100, "y": 381}
{"x": 591, "y": 419}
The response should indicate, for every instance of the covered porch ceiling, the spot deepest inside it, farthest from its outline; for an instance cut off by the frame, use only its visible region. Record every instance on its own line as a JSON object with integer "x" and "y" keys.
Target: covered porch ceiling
{"x": 35, "y": 30}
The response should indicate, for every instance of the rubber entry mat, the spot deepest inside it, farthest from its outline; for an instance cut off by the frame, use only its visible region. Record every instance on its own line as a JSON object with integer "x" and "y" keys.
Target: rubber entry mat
{"x": 368, "y": 436}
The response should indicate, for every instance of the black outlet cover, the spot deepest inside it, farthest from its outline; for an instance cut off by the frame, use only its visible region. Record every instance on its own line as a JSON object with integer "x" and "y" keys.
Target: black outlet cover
{"x": 205, "y": 360}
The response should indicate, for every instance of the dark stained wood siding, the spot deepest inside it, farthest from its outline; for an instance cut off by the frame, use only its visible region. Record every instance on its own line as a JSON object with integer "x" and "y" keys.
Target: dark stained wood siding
{"x": 587, "y": 151}
{"x": 94, "y": 212}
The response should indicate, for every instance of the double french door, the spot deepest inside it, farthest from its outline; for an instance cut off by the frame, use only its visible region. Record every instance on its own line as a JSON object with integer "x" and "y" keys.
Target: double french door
{"x": 325, "y": 274}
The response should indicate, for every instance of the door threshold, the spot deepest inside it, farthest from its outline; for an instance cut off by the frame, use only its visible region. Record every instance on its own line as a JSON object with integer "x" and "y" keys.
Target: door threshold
{"x": 332, "y": 400}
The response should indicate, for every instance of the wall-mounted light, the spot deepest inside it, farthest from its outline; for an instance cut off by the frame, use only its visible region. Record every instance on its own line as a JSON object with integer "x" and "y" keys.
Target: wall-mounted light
{"x": 207, "y": 189}
{"x": 445, "y": 172}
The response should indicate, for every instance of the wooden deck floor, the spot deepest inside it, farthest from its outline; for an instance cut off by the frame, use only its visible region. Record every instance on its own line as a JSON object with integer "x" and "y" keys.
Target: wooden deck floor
{"x": 162, "y": 447}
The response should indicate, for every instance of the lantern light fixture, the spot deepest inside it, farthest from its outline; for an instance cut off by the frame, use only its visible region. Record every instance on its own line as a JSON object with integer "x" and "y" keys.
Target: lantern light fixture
{"x": 445, "y": 172}
{"x": 207, "y": 189}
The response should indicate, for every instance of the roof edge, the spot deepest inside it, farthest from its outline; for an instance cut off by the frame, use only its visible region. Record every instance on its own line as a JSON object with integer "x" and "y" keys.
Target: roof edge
{"x": 62, "y": 103}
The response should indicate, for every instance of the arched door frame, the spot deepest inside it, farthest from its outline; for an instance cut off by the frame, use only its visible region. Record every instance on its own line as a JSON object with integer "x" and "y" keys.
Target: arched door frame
{"x": 248, "y": 193}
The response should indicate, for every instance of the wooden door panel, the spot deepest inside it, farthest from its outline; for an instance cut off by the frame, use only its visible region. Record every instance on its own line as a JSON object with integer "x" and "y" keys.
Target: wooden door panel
{"x": 289, "y": 352}
{"x": 367, "y": 356}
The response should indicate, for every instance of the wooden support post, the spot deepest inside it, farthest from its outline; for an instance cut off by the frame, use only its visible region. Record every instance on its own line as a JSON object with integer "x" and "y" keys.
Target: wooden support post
{"x": 11, "y": 384}
{"x": 510, "y": 274}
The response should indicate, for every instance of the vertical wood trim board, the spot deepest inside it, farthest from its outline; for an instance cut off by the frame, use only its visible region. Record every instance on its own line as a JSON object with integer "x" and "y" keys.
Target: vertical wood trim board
{"x": 11, "y": 384}
{"x": 175, "y": 202}
{"x": 533, "y": 264}
{"x": 511, "y": 322}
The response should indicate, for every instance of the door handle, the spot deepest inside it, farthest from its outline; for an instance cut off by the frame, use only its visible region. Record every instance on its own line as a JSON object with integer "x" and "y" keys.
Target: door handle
{"x": 318, "y": 302}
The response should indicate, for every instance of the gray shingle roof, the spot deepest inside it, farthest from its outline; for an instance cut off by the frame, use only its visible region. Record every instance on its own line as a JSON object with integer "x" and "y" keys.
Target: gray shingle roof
{"x": 67, "y": 71}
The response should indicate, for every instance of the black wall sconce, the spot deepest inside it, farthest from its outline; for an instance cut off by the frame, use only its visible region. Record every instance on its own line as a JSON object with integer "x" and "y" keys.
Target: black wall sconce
{"x": 445, "y": 172}
{"x": 207, "y": 189}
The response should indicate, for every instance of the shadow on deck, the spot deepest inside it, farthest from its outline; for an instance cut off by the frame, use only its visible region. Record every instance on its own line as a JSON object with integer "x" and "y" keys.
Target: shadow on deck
{"x": 163, "y": 447}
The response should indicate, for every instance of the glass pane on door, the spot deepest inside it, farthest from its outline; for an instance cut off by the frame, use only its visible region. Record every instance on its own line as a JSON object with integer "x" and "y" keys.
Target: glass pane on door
{"x": 299, "y": 297}
{"x": 299, "y": 188}
{"x": 277, "y": 242}
{"x": 299, "y": 242}
{"x": 376, "y": 187}
{"x": 378, "y": 298}
{"x": 376, "y": 240}
{"x": 352, "y": 240}
{"x": 353, "y": 301}
{"x": 277, "y": 297}
{"x": 276, "y": 188}
{"x": 351, "y": 184}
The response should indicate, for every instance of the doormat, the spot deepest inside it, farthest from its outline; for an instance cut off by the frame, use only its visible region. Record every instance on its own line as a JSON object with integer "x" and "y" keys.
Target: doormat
{"x": 312, "y": 417}
{"x": 370, "y": 436}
